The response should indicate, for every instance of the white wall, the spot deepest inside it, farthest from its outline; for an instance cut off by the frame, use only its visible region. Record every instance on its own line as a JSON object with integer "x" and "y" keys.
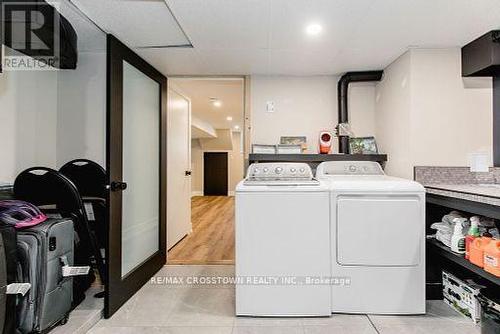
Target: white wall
{"x": 28, "y": 115}
{"x": 81, "y": 118}
{"x": 427, "y": 114}
{"x": 393, "y": 105}
{"x": 50, "y": 117}
{"x": 304, "y": 106}
{"x": 236, "y": 164}
{"x": 196, "y": 168}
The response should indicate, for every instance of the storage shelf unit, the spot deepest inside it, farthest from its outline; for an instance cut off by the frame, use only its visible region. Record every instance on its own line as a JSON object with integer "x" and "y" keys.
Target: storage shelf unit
{"x": 440, "y": 249}
{"x": 316, "y": 158}
{"x": 439, "y": 257}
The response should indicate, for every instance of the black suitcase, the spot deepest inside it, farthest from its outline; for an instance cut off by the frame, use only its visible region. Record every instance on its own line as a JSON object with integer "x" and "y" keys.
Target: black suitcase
{"x": 3, "y": 284}
{"x": 9, "y": 239}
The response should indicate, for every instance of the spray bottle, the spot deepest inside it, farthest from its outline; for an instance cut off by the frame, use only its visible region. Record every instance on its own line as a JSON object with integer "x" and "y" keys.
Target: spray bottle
{"x": 472, "y": 234}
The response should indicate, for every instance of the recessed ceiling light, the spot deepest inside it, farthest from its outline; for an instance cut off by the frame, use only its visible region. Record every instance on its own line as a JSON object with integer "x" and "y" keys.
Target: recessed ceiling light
{"x": 215, "y": 102}
{"x": 229, "y": 118}
{"x": 236, "y": 127}
{"x": 314, "y": 29}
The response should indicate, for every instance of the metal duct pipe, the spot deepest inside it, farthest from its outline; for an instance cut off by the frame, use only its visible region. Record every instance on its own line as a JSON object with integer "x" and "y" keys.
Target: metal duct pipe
{"x": 343, "y": 87}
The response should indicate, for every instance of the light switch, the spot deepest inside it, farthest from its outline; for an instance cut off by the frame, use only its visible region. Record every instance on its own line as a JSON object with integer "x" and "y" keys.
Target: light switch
{"x": 479, "y": 162}
{"x": 270, "y": 106}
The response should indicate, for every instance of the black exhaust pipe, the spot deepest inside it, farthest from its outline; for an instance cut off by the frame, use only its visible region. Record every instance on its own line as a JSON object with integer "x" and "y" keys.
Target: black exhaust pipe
{"x": 343, "y": 87}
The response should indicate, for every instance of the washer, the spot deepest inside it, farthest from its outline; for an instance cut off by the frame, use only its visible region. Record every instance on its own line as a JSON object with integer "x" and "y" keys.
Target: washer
{"x": 282, "y": 242}
{"x": 378, "y": 239}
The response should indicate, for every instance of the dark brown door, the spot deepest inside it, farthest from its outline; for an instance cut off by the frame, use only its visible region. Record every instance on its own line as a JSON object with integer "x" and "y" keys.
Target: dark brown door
{"x": 136, "y": 166}
{"x": 215, "y": 174}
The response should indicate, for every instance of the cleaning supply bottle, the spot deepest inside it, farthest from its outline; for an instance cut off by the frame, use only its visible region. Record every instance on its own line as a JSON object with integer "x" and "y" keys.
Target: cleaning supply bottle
{"x": 458, "y": 238}
{"x": 492, "y": 257}
{"x": 472, "y": 234}
{"x": 476, "y": 254}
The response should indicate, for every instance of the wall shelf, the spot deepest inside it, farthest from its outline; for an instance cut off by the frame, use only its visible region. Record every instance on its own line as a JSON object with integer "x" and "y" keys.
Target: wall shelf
{"x": 316, "y": 158}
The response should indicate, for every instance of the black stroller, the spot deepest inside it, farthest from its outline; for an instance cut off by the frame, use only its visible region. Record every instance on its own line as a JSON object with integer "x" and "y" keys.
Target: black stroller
{"x": 54, "y": 192}
{"x": 90, "y": 179}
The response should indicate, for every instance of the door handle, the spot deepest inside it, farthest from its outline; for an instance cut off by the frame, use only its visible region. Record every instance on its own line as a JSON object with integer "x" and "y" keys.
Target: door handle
{"x": 188, "y": 173}
{"x": 118, "y": 186}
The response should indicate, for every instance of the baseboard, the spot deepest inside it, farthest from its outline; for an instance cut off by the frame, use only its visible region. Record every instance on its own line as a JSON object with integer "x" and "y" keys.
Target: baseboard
{"x": 200, "y": 193}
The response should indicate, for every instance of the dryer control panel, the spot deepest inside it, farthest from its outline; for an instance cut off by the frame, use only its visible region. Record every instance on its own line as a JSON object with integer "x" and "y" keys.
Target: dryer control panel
{"x": 349, "y": 168}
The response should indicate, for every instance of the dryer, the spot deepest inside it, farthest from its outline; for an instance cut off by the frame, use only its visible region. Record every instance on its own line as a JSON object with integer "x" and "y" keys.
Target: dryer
{"x": 378, "y": 239}
{"x": 282, "y": 242}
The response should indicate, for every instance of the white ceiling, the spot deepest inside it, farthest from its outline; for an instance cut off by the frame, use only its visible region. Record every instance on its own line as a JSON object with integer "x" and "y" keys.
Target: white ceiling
{"x": 229, "y": 91}
{"x": 139, "y": 23}
{"x": 90, "y": 37}
{"x": 267, "y": 36}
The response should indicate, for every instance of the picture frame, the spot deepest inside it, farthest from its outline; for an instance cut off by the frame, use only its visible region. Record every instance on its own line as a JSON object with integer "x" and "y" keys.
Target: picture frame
{"x": 363, "y": 145}
{"x": 294, "y": 140}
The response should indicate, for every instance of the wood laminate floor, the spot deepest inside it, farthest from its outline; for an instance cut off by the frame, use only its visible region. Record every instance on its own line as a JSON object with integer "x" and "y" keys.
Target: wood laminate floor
{"x": 212, "y": 239}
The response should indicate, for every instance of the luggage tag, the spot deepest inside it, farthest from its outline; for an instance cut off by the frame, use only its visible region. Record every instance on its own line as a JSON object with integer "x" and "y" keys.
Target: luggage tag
{"x": 68, "y": 271}
{"x": 18, "y": 288}
{"x": 89, "y": 209}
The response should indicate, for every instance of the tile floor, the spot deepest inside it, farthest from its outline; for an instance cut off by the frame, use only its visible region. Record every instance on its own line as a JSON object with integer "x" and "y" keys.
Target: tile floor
{"x": 198, "y": 309}
{"x": 85, "y": 316}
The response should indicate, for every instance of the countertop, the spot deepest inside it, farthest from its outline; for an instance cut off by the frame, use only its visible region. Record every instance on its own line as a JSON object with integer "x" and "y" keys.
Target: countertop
{"x": 484, "y": 193}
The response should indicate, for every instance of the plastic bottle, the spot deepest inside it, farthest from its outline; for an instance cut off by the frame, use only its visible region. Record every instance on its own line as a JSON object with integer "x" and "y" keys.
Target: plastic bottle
{"x": 472, "y": 234}
{"x": 477, "y": 250}
{"x": 458, "y": 239}
{"x": 492, "y": 257}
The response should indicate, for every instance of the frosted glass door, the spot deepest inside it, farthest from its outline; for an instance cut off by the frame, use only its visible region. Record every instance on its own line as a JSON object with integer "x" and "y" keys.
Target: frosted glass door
{"x": 141, "y": 161}
{"x": 136, "y": 158}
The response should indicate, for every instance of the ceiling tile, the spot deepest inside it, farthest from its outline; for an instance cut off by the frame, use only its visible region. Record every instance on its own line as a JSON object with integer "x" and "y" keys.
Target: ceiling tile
{"x": 138, "y": 23}
{"x": 267, "y": 36}
{"x": 174, "y": 61}
{"x": 227, "y": 24}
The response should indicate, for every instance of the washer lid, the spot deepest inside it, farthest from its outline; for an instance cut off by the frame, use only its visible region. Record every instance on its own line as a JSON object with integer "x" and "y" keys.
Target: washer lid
{"x": 245, "y": 186}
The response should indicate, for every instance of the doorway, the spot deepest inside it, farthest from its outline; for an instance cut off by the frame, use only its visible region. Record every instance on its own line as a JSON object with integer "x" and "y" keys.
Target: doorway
{"x": 216, "y": 167}
{"x": 215, "y": 174}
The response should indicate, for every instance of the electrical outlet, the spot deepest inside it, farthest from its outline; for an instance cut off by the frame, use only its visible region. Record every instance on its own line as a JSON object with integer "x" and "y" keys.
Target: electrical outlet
{"x": 270, "y": 106}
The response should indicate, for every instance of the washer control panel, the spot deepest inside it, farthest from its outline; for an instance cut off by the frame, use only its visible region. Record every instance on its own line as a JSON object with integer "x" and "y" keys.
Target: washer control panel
{"x": 349, "y": 168}
{"x": 279, "y": 171}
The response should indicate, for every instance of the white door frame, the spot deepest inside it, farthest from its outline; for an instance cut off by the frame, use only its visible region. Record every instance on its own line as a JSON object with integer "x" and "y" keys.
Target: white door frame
{"x": 246, "y": 131}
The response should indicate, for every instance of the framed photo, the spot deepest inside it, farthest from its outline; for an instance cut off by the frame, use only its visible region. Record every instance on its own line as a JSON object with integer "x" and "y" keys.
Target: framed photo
{"x": 295, "y": 140}
{"x": 363, "y": 145}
